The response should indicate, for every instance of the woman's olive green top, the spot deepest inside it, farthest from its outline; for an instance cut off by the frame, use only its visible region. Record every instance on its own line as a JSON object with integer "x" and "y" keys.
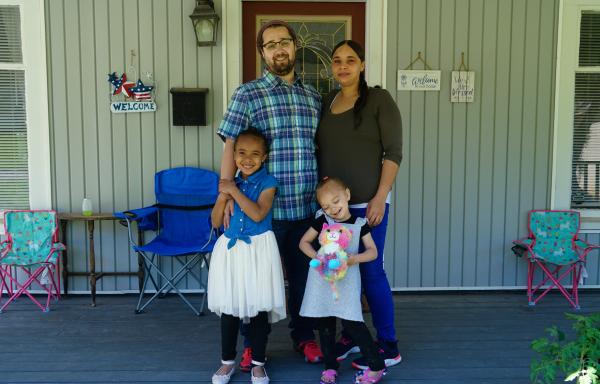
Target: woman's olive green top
{"x": 356, "y": 154}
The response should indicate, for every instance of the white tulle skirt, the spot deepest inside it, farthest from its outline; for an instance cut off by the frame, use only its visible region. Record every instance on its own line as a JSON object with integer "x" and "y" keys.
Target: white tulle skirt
{"x": 247, "y": 279}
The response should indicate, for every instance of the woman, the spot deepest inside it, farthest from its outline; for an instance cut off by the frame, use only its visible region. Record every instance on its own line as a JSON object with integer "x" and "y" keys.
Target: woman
{"x": 360, "y": 141}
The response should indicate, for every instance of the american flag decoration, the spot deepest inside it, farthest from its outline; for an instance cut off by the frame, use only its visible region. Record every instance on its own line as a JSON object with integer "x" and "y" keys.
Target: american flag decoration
{"x": 120, "y": 84}
{"x": 136, "y": 97}
{"x": 142, "y": 92}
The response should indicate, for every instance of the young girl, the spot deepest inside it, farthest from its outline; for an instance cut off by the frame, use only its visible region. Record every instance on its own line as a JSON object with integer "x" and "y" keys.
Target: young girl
{"x": 333, "y": 196}
{"x": 245, "y": 280}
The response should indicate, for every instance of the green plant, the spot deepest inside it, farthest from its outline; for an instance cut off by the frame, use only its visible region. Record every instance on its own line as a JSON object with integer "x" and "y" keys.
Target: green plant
{"x": 578, "y": 358}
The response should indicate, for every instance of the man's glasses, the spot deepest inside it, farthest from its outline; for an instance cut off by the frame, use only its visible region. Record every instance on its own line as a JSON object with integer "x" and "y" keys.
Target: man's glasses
{"x": 283, "y": 43}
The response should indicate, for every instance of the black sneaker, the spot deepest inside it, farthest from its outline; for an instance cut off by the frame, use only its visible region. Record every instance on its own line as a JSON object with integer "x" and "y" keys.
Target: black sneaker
{"x": 388, "y": 350}
{"x": 344, "y": 347}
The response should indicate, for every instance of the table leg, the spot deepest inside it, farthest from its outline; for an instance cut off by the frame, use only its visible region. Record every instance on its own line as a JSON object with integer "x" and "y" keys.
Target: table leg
{"x": 90, "y": 225}
{"x": 65, "y": 264}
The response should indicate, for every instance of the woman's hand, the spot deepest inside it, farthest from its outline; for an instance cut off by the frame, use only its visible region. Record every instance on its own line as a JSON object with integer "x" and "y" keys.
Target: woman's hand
{"x": 227, "y": 186}
{"x": 352, "y": 259}
{"x": 376, "y": 210}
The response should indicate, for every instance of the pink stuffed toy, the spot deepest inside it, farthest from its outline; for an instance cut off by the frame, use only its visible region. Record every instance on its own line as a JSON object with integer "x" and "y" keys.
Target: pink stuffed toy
{"x": 332, "y": 260}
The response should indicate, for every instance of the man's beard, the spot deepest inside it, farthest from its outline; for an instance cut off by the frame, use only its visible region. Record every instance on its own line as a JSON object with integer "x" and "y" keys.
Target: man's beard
{"x": 282, "y": 68}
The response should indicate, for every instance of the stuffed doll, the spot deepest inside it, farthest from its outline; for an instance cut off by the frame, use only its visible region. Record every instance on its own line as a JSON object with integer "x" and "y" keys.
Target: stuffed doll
{"x": 332, "y": 261}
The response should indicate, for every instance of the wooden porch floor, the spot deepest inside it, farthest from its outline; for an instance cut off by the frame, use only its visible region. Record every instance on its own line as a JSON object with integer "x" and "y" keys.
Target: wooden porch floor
{"x": 445, "y": 338}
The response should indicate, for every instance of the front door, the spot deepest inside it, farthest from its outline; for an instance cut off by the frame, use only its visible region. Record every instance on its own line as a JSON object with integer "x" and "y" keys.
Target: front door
{"x": 319, "y": 26}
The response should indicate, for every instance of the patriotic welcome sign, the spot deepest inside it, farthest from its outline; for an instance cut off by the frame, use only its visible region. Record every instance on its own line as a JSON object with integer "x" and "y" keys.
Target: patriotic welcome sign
{"x": 136, "y": 97}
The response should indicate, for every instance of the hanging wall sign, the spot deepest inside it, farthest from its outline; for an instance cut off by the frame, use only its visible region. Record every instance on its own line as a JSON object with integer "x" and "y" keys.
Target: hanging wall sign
{"x": 409, "y": 80}
{"x": 414, "y": 80}
{"x": 462, "y": 89}
{"x": 130, "y": 97}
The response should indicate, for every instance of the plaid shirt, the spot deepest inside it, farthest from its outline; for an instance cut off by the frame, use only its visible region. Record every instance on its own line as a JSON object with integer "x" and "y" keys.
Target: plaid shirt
{"x": 288, "y": 115}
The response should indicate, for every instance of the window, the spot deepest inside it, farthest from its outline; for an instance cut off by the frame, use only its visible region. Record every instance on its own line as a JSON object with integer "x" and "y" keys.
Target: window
{"x": 14, "y": 175}
{"x": 576, "y": 160}
{"x": 585, "y": 176}
{"x": 25, "y": 180}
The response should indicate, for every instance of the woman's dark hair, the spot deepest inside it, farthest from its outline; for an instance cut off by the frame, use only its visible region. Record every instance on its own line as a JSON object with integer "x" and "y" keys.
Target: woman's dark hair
{"x": 363, "y": 88}
{"x": 254, "y": 132}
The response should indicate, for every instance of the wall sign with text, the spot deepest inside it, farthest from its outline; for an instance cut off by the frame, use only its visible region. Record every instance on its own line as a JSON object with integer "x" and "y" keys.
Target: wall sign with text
{"x": 409, "y": 80}
{"x": 462, "y": 89}
{"x": 127, "y": 96}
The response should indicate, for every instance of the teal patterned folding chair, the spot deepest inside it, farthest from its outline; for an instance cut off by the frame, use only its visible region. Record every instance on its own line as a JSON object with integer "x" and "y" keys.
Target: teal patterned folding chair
{"x": 554, "y": 248}
{"x": 29, "y": 256}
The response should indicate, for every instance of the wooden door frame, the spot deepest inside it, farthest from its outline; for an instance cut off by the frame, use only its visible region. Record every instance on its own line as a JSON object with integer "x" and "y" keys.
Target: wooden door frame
{"x": 231, "y": 32}
{"x": 252, "y": 11}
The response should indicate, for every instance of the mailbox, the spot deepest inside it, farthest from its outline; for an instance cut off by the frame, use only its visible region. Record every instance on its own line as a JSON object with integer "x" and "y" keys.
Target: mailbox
{"x": 189, "y": 106}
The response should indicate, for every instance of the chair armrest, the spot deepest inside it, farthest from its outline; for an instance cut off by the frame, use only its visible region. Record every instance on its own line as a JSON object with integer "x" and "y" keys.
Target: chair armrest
{"x": 525, "y": 242}
{"x": 58, "y": 247}
{"x": 147, "y": 217}
{"x": 583, "y": 245}
{"x": 522, "y": 246}
{"x": 4, "y": 245}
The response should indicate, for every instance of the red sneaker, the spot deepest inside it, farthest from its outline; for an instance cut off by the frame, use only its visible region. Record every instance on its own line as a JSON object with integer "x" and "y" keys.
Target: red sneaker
{"x": 246, "y": 362}
{"x": 312, "y": 352}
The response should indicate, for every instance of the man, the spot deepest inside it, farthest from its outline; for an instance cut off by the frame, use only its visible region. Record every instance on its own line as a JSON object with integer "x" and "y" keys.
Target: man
{"x": 287, "y": 112}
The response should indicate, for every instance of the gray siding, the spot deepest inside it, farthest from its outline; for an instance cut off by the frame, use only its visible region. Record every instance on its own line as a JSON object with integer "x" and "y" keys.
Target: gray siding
{"x": 112, "y": 158}
{"x": 472, "y": 171}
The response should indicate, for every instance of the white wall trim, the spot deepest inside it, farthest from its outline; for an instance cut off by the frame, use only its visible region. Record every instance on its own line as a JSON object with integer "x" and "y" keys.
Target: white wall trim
{"x": 566, "y": 64}
{"x": 376, "y": 43}
{"x": 475, "y": 288}
{"x": 33, "y": 40}
{"x": 33, "y": 43}
{"x": 36, "y": 83}
{"x": 120, "y": 292}
{"x": 557, "y": 191}
{"x": 582, "y": 288}
{"x": 232, "y": 48}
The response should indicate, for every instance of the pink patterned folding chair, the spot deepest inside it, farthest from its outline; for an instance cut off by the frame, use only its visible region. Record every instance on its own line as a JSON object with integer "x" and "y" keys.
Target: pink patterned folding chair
{"x": 553, "y": 246}
{"x": 30, "y": 250}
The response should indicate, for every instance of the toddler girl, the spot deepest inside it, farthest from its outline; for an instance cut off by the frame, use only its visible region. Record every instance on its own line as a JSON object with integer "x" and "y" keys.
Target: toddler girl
{"x": 333, "y": 196}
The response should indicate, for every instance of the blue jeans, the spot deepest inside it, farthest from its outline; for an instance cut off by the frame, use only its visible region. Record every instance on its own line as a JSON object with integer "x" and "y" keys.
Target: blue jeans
{"x": 375, "y": 283}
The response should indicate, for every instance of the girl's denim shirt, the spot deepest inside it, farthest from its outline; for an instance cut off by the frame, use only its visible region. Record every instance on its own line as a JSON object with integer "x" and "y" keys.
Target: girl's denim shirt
{"x": 242, "y": 226}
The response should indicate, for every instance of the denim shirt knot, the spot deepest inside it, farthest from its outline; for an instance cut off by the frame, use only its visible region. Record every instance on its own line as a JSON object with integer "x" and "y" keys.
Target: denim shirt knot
{"x": 233, "y": 240}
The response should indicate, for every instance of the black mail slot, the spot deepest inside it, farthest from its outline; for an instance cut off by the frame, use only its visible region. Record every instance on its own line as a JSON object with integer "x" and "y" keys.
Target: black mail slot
{"x": 189, "y": 106}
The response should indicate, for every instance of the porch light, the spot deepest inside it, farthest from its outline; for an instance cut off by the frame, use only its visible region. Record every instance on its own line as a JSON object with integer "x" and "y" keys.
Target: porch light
{"x": 205, "y": 22}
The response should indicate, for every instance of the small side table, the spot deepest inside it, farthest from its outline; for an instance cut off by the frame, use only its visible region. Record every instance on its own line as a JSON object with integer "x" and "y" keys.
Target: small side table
{"x": 64, "y": 218}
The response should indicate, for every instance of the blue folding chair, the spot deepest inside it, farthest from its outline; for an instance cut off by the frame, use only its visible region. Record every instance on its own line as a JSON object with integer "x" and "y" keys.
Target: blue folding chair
{"x": 181, "y": 218}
